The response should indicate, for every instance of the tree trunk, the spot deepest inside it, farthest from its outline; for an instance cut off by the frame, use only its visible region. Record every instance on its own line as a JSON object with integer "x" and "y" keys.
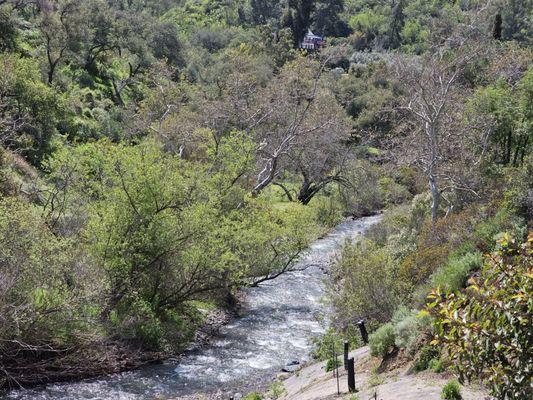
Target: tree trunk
{"x": 435, "y": 197}
{"x": 431, "y": 129}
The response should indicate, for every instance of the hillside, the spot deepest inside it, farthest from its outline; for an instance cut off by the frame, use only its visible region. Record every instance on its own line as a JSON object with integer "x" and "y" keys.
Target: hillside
{"x": 159, "y": 158}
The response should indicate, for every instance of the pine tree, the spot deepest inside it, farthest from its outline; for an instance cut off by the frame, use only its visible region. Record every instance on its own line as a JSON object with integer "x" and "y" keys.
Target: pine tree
{"x": 396, "y": 24}
{"x": 327, "y": 20}
{"x": 298, "y": 17}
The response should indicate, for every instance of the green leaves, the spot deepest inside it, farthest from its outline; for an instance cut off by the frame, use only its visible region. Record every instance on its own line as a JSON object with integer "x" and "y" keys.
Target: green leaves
{"x": 166, "y": 231}
{"x": 487, "y": 329}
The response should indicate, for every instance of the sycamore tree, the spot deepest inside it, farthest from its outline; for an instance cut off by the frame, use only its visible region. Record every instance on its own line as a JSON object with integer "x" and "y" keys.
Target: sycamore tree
{"x": 300, "y": 128}
{"x": 434, "y": 139}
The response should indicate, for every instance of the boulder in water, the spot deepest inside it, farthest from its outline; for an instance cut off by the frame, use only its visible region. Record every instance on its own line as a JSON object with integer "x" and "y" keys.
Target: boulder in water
{"x": 292, "y": 366}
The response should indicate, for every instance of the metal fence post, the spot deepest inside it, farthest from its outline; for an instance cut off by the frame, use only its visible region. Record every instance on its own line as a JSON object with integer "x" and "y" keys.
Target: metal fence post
{"x": 364, "y": 333}
{"x": 346, "y": 350}
{"x": 351, "y": 375}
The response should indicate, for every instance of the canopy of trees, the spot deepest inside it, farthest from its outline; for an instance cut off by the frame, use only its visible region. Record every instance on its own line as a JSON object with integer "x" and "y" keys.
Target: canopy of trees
{"x": 157, "y": 156}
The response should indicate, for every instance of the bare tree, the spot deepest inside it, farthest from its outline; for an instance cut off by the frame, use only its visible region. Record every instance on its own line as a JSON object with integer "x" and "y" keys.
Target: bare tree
{"x": 300, "y": 129}
{"x": 432, "y": 99}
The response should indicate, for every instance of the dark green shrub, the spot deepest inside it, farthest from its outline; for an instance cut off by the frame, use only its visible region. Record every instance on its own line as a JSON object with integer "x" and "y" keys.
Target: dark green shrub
{"x": 451, "y": 391}
{"x": 436, "y": 365}
{"x": 427, "y": 353}
{"x": 382, "y": 341}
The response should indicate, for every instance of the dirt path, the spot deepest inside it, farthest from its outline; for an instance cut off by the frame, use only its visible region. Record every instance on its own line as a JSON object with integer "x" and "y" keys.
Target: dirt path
{"x": 313, "y": 383}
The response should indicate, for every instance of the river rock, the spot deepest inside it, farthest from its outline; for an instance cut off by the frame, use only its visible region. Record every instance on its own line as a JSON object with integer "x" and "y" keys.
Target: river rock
{"x": 292, "y": 366}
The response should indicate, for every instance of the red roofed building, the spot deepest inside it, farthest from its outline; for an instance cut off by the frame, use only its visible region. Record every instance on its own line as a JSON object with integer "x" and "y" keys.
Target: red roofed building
{"x": 312, "y": 41}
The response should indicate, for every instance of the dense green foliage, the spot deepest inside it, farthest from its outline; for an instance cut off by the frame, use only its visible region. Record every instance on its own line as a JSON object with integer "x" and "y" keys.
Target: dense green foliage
{"x": 487, "y": 330}
{"x": 451, "y": 391}
{"x": 157, "y": 156}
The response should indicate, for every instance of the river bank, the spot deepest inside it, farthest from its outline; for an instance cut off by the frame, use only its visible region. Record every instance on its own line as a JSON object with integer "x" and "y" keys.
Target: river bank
{"x": 101, "y": 358}
{"x": 277, "y": 320}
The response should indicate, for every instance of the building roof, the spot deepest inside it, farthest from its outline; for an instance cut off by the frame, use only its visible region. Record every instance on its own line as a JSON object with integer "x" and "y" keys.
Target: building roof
{"x": 311, "y": 35}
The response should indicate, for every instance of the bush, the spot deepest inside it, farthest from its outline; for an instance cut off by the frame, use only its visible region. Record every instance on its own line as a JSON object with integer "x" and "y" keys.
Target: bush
{"x": 366, "y": 276}
{"x": 454, "y": 274}
{"x": 475, "y": 327}
{"x": 276, "y": 390}
{"x": 427, "y": 353}
{"x": 382, "y": 341}
{"x": 407, "y": 329}
{"x": 253, "y": 396}
{"x": 519, "y": 197}
{"x": 486, "y": 233}
{"x": 363, "y": 195}
{"x": 323, "y": 345}
{"x": 328, "y": 211}
{"x": 451, "y": 391}
{"x": 332, "y": 363}
{"x": 436, "y": 365}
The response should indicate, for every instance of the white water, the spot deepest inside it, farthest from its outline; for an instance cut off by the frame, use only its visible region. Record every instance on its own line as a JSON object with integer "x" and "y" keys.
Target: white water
{"x": 280, "y": 318}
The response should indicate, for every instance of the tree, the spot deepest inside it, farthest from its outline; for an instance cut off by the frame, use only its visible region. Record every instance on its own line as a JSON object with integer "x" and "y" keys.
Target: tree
{"x": 396, "y": 24}
{"x": 8, "y": 28}
{"x": 434, "y": 141}
{"x": 486, "y": 331}
{"x": 30, "y": 110}
{"x": 497, "y": 28}
{"x": 45, "y": 294}
{"x": 298, "y": 17}
{"x": 300, "y": 128}
{"x": 327, "y": 19}
{"x": 506, "y": 112}
{"x": 167, "y": 230}
{"x": 63, "y": 26}
{"x": 516, "y": 20}
{"x": 264, "y": 11}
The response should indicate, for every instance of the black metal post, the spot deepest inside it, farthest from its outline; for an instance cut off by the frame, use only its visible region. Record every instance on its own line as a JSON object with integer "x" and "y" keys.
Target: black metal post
{"x": 351, "y": 375}
{"x": 346, "y": 351}
{"x": 364, "y": 333}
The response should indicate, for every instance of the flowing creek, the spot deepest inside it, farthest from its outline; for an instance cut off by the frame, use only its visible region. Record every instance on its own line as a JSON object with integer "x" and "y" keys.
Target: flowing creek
{"x": 279, "y": 319}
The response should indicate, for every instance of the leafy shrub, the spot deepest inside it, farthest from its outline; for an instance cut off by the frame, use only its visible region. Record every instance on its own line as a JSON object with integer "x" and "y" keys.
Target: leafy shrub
{"x": 427, "y": 353}
{"x": 332, "y": 363}
{"x": 253, "y": 396}
{"x": 453, "y": 276}
{"x": 451, "y": 391}
{"x": 393, "y": 192}
{"x": 407, "y": 329}
{"x": 519, "y": 197}
{"x": 366, "y": 273}
{"x": 276, "y": 390}
{"x": 382, "y": 341}
{"x": 486, "y": 233}
{"x": 328, "y": 211}
{"x": 323, "y": 345}
{"x": 475, "y": 327}
{"x": 363, "y": 195}
{"x": 436, "y": 365}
